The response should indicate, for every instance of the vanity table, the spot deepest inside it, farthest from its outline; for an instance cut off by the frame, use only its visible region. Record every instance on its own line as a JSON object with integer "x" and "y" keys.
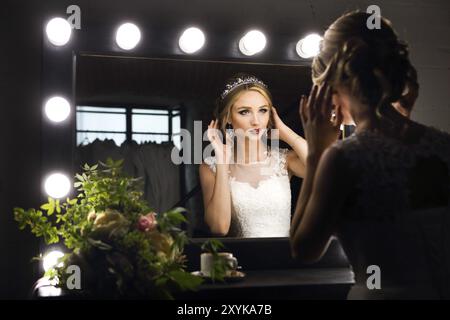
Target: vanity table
{"x": 271, "y": 274}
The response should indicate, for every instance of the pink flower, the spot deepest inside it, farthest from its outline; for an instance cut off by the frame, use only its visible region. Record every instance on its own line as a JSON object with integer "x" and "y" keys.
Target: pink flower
{"x": 147, "y": 222}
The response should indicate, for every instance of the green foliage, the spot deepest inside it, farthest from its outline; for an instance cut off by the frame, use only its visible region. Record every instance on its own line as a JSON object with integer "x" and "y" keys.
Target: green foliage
{"x": 212, "y": 246}
{"x": 220, "y": 264}
{"x": 123, "y": 248}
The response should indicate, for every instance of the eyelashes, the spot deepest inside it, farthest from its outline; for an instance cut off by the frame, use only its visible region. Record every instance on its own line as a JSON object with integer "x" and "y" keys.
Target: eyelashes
{"x": 245, "y": 112}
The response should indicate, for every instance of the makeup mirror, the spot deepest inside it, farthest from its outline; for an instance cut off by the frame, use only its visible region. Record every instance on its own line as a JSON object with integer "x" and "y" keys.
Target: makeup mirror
{"x": 134, "y": 108}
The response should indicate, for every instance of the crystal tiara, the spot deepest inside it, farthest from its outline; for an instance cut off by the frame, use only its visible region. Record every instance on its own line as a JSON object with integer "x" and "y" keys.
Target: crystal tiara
{"x": 239, "y": 82}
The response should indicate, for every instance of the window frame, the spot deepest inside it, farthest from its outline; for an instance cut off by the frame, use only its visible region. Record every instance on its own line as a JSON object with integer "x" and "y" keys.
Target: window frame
{"x": 172, "y": 112}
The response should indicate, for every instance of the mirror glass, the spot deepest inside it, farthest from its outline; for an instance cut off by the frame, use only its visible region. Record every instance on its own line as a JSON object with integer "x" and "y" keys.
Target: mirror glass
{"x": 136, "y": 108}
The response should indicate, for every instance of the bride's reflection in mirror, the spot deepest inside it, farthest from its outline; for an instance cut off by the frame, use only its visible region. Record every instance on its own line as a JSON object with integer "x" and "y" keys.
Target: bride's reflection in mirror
{"x": 134, "y": 109}
{"x": 246, "y": 184}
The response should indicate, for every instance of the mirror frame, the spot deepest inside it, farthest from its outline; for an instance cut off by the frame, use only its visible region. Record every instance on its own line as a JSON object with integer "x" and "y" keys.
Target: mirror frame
{"x": 59, "y": 78}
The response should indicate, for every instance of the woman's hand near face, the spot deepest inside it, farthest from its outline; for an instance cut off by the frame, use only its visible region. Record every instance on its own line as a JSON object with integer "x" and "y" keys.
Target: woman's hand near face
{"x": 297, "y": 158}
{"x": 316, "y": 114}
{"x": 283, "y": 130}
{"x": 222, "y": 151}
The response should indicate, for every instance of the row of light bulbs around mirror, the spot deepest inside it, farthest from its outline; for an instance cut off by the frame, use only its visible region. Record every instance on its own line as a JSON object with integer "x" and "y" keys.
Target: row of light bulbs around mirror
{"x": 128, "y": 36}
{"x": 57, "y": 109}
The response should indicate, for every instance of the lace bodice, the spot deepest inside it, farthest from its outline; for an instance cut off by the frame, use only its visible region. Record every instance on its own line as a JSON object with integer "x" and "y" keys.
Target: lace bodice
{"x": 382, "y": 168}
{"x": 381, "y": 223}
{"x": 260, "y": 196}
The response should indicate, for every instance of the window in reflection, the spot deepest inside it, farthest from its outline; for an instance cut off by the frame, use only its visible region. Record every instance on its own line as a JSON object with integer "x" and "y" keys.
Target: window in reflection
{"x": 155, "y": 125}
{"x": 118, "y": 123}
{"x": 100, "y": 123}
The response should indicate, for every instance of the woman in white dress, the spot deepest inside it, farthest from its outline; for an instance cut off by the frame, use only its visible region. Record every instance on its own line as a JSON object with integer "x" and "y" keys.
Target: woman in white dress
{"x": 246, "y": 189}
{"x": 385, "y": 190}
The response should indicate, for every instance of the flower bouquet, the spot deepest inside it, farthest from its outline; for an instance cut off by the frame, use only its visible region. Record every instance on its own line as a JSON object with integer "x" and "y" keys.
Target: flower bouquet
{"x": 121, "y": 246}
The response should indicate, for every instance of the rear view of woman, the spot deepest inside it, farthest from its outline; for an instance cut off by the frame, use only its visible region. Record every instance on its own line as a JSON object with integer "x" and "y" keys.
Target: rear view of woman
{"x": 384, "y": 191}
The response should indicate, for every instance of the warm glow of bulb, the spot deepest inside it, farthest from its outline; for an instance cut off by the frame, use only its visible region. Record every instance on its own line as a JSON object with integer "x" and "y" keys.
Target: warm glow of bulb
{"x": 253, "y": 42}
{"x": 191, "y": 40}
{"x": 58, "y": 31}
{"x": 128, "y": 36}
{"x": 57, "y": 185}
{"x": 57, "y": 109}
{"x": 309, "y": 46}
{"x": 51, "y": 260}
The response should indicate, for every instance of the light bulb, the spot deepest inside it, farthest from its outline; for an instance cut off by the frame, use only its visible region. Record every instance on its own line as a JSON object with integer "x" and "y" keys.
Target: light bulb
{"x": 128, "y": 36}
{"x": 51, "y": 260}
{"x": 57, "y": 109}
{"x": 253, "y": 42}
{"x": 58, "y": 31}
{"x": 191, "y": 40}
{"x": 309, "y": 46}
{"x": 57, "y": 185}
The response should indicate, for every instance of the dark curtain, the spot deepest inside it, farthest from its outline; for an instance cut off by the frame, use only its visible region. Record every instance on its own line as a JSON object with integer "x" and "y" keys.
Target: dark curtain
{"x": 149, "y": 160}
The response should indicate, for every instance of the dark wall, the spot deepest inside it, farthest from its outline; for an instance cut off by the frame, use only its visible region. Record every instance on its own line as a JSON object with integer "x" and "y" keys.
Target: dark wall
{"x": 21, "y": 72}
{"x": 20, "y": 103}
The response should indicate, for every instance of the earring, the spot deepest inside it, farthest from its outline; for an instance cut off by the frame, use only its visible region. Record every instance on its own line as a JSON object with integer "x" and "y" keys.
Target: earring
{"x": 266, "y": 135}
{"x": 333, "y": 116}
{"x": 229, "y": 130}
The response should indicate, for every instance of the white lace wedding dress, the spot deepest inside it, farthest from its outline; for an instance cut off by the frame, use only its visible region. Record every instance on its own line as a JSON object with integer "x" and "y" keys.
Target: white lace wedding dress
{"x": 398, "y": 215}
{"x": 260, "y": 196}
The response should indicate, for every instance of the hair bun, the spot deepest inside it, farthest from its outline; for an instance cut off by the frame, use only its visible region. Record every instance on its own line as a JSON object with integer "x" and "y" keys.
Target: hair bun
{"x": 373, "y": 64}
{"x": 356, "y": 57}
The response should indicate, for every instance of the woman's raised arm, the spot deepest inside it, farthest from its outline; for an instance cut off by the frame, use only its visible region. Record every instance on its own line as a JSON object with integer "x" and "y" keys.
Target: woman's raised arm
{"x": 215, "y": 187}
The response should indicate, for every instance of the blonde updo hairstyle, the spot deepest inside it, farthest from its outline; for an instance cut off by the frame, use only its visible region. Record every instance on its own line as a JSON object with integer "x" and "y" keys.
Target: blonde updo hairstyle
{"x": 373, "y": 64}
{"x": 223, "y": 106}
